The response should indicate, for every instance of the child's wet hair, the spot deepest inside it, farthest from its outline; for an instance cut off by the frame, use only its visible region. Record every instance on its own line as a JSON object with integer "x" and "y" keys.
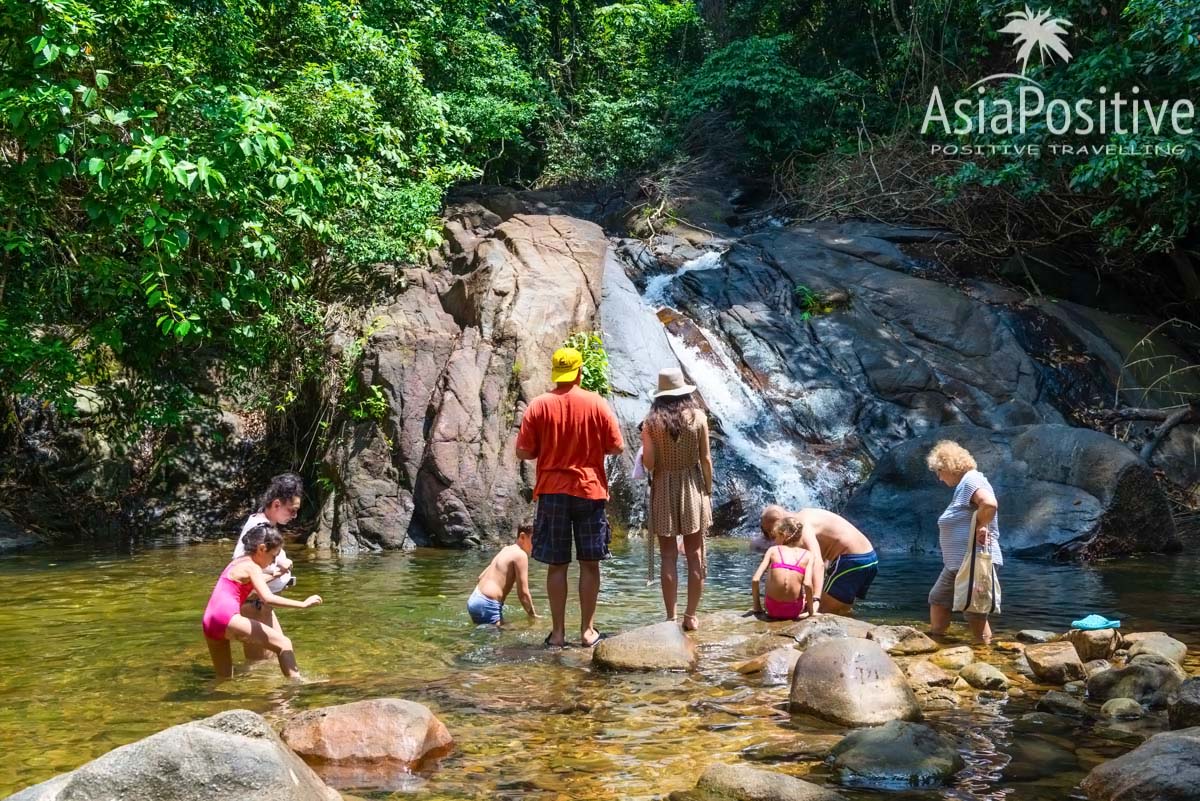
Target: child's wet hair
{"x": 789, "y": 529}
{"x": 262, "y": 534}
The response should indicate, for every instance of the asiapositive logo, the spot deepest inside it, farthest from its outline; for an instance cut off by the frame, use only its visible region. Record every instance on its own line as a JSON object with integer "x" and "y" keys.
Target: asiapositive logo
{"x": 1106, "y": 113}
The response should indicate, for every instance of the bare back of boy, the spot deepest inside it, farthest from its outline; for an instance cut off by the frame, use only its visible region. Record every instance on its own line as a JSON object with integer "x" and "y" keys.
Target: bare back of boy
{"x": 497, "y": 579}
{"x": 835, "y": 534}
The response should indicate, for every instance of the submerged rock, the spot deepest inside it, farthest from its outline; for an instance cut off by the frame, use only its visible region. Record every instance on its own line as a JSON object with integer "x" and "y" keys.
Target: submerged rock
{"x": 894, "y": 756}
{"x": 371, "y": 743}
{"x": 1164, "y": 768}
{"x": 1097, "y": 644}
{"x": 1183, "y": 705}
{"x": 661, "y": 646}
{"x": 851, "y": 682}
{"x": 233, "y": 755}
{"x": 1055, "y": 662}
{"x": 1035, "y": 757}
{"x": 745, "y": 783}
{"x": 1149, "y": 683}
{"x": 1059, "y": 703}
{"x": 983, "y": 676}
{"x": 1122, "y": 709}
{"x": 902, "y": 640}
{"x": 1156, "y": 643}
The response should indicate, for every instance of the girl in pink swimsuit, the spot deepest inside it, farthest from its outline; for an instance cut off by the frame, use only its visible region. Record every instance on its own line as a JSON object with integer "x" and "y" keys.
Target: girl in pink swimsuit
{"x": 789, "y": 587}
{"x": 223, "y": 619}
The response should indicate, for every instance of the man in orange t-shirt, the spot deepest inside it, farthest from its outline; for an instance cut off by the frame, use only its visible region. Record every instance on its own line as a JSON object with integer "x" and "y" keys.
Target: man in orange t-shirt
{"x": 569, "y": 431}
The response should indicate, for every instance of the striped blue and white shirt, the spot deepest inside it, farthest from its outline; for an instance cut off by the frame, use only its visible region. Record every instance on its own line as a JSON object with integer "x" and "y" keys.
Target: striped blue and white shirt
{"x": 954, "y": 526}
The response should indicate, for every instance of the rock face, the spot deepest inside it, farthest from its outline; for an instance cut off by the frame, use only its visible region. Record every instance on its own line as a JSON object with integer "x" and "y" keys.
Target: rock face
{"x": 852, "y": 682}
{"x": 1183, "y": 705}
{"x": 744, "y": 783}
{"x": 902, "y": 640}
{"x": 1055, "y": 662}
{"x": 366, "y": 743}
{"x": 1064, "y": 491}
{"x": 894, "y": 756}
{"x": 231, "y": 755}
{"x": 1098, "y": 644}
{"x": 1164, "y": 768}
{"x": 456, "y": 357}
{"x": 1148, "y": 683}
{"x": 1156, "y": 643}
{"x": 662, "y": 646}
{"x": 983, "y": 676}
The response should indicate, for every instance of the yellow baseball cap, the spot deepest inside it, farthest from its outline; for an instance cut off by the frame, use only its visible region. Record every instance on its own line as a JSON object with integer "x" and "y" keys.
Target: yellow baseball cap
{"x": 565, "y": 364}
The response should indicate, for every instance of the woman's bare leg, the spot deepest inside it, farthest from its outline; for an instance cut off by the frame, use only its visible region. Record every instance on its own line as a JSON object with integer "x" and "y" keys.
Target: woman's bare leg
{"x": 245, "y": 629}
{"x": 222, "y": 657}
{"x": 669, "y": 548}
{"x": 981, "y": 630}
{"x": 693, "y": 547}
{"x": 939, "y": 619}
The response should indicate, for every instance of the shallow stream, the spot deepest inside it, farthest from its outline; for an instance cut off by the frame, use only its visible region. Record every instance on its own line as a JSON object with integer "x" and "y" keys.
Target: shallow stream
{"x": 97, "y": 650}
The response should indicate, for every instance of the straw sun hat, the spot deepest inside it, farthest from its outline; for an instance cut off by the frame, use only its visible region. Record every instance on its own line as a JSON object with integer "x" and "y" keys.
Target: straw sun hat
{"x": 670, "y": 382}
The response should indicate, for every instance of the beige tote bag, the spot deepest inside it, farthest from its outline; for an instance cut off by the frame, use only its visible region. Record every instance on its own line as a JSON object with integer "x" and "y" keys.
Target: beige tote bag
{"x": 976, "y": 586}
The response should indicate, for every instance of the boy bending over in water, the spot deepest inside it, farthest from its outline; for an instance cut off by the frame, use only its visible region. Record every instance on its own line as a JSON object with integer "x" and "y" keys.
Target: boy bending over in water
{"x": 510, "y": 566}
{"x": 223, "y": 618}
{"x": 789, "y": 579}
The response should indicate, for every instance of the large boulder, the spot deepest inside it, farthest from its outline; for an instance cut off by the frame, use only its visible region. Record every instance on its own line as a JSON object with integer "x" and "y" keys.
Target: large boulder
{"x": 1183, "y": 705}
{"x": 1150, "y": 683}
{"x": 454, "y": 359}
{"x": 1055, "y": 662}
{"x": 895, "y": 756}
{"x": 1063, "y": 491}
{"x": 1164, "y": 768}
{"x": 1156, "y": 643}
{"x": 813, "y": 630}
{"x": 233, "y": 755}
{"x": 745, "y": 783}
{"x": 902, "y": 640}
{"x": 367, "y": 743}
{"x": 852, "y": 682}
{"x": 662, "y": 646}
{"x": 1092, "y": 645}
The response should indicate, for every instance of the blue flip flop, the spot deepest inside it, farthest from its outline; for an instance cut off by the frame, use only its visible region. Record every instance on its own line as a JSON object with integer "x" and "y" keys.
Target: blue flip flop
{"x": 1095, "y": 622}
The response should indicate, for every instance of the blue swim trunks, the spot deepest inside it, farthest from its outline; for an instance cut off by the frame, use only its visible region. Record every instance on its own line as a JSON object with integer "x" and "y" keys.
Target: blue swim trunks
{"x": 850, "y": 576}
{"x": 484, "y": 609}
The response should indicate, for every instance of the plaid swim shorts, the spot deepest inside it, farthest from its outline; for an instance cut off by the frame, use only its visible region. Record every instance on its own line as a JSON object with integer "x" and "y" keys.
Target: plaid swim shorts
{"x": 561, "y": 518}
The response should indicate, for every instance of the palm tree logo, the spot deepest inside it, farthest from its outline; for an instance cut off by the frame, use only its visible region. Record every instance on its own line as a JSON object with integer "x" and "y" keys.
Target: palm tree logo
{"x": 1040, "y": 30}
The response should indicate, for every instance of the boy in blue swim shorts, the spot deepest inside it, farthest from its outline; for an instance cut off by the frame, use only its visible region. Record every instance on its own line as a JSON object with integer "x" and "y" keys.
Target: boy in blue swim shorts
{"x": 508, "y": 568}
{"x": 848, "y": 562}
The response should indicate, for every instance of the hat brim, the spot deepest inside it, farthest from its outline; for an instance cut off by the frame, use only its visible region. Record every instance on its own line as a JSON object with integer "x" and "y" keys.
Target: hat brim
{"x": 686, "y": 389}
{"x": 558, "y": 376}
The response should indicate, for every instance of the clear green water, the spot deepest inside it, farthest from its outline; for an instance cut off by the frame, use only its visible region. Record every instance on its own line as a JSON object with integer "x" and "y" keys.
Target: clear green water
{"x": 100, "y": 650}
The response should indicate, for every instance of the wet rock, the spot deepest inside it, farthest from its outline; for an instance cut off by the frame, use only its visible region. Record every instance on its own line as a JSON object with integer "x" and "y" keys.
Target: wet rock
{"x": 227, "y": 756}
{"x": 1008, "y": 646}
{"x": 961, "y": 684}
{"x": 1021, "y": 665}
{"x": 371, "y": 743}
{"x": 1122, "y": 709}
{"x": 954, "y": 658}
{"x": 1059, "y": 703}
{"x": 894, "y": 756}
{"x": 1098, "y": 644}
{"x": 1036, "y": 636}
{"x": 763, "y": 644}
{"x": 1156, "y": 643}
{"x": 807, "y": 747}
{"x": 1016, "y": 692}
{"x": 902, "y": 640}
{"x": 1055, "y": 662}
{"x": 852, "y": 682}
{"x": 662, "y": 646}
{"x": 775, "y": 666}
{"x": 1096, "y": 666}
{"x": 939, "y": 699}
{"x": 1075, "y": 687}
{"x": 1183, "y": 705}
{"x": 983, "y": 676}
{"x": 925, "y": 673}
{"x": 1035, "y": 757}
{"x": 1045, "y": 723}
{"x": 1147, "y": 682}
{"x": 745, "y": 783}
{"x": 812, "y": 630}
{"x": 1164, "y": 768}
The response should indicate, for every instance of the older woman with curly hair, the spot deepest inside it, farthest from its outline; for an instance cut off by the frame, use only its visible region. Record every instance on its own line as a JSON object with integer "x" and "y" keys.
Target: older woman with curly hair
{"x": 955, "y": 467}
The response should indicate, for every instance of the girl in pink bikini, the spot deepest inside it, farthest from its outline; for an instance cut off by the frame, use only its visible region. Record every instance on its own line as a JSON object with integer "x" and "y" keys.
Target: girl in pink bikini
{"x": 789, "y": 588}
{"x": 223, "y": 620}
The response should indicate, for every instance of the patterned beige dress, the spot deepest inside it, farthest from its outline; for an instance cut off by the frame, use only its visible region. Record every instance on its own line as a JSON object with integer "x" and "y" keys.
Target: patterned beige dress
{"x": 679, "y": 506}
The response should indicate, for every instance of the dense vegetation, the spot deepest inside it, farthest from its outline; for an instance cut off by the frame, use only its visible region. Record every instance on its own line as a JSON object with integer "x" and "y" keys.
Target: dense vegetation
{"x": 189, "y": 186}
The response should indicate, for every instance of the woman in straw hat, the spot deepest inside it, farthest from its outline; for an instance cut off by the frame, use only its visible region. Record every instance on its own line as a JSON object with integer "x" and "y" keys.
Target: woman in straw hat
{"x": 676, "y": 456}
